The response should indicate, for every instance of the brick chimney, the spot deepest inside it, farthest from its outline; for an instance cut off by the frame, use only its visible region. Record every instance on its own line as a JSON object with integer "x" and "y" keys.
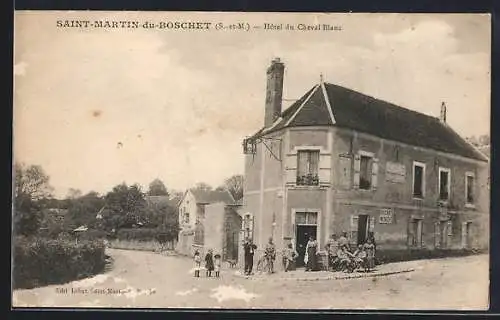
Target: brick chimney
{"x": 442, "y": 116}
{"x": 274, "y": 91}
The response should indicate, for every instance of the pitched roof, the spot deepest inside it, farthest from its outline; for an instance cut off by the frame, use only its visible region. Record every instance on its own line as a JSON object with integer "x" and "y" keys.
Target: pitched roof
{"x": 332, "y": 105}
{"x": 211, "y": 196}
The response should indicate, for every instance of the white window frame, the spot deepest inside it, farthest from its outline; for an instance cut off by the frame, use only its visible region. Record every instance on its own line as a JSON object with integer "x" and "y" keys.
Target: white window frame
{"x": 298, "y": 149}
{"x": 318, "y": 224}
{"x": 442, "y": 169}
{"x": 467, "y": 203}
{"x": 421, "y": 165}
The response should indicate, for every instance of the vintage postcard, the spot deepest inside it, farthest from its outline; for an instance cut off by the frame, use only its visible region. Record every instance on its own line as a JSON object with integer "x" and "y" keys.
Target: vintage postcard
{"x": 251, "y": 160}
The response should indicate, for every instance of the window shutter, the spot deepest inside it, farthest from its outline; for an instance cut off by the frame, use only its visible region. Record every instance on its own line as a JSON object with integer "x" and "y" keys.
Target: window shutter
{"x": 357, "y": 169}
{"x": 464, "y": 234}
{"x": 354, "y": 223}
{"x": 410, "y": 232}
{"x": 372, "y": 223}
{"x": 374, "y": 173}
{"x": 437, "y": 235}
{"x": 449, "y": 227}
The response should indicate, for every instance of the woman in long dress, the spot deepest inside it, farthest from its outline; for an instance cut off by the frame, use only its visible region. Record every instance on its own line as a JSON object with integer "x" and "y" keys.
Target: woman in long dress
{"x": 311, "y": 250}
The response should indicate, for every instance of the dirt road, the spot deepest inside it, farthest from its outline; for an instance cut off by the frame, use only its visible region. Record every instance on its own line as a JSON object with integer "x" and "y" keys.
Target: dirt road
{"x": 144, "y": 279}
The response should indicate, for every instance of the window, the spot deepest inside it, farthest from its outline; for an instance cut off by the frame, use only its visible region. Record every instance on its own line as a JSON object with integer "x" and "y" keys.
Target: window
{"x": 469, "y": 188}
{"x": 415, "y": 233}
{"x": 365, "y": 173}
{"x": 444, "y": 184}
{"x": 310, "y": 218}
{"x": 307, "y": 171}
{"x": 418, "y": 180}
{"x": 186, "y": 217}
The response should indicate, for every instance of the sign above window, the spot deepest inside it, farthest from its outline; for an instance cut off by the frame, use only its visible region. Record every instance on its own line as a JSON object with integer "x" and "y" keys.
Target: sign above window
{"x": 395, "y": 172}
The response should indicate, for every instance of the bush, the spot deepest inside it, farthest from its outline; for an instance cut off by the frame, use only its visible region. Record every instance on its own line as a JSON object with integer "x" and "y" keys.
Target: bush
{"x": 387, "y": 256}
{"x": 39, "y": 261}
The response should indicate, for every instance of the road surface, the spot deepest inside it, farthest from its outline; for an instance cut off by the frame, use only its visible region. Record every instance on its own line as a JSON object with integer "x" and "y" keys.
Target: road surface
{"x": 146, "y": 279}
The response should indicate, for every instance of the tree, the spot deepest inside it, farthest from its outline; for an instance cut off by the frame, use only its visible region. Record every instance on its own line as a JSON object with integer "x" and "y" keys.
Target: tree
{"x": 126, "y": 204}
{"x": 74, "y": 193}
{"x": 31, "y": 181}
{"x": 157, "y": 188}
{"x": 203, "y": 186}
{"x": 234, "y": 185}
{"x": 31, "y": 185}
{"x": 83, "y": 210}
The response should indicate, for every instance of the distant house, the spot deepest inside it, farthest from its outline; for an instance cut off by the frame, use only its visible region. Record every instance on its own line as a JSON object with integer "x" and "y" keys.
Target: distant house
{"x": 191, "y": 211}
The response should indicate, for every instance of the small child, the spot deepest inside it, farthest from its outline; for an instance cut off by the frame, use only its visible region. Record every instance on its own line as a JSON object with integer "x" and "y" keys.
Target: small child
{"x": 197, "y": 264}
{"x": 217, "y": 264}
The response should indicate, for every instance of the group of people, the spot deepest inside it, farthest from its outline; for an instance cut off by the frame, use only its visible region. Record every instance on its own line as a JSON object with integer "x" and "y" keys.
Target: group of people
{"x": 340, "y": 258}
{"x": 212, "y": 263}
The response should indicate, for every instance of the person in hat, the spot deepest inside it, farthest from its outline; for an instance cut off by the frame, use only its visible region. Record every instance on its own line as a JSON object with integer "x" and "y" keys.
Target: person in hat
{"x": 209, "y": 262}
{"x": 249, "y": 249}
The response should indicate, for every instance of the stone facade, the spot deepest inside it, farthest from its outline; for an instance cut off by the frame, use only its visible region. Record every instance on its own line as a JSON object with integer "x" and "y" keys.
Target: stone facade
{"x": 273, "y": 196}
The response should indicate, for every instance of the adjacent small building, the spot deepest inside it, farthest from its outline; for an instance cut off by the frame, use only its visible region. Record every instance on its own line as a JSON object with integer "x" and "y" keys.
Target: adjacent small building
{"x": 338, "y": 160}
{"x": 192, "y": 214}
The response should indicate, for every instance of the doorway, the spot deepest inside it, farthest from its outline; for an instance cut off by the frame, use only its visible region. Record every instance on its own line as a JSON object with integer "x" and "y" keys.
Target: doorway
{"x": 362, "y": 228}
{"x": 303, "y": 234}
{"x": 443, "y": 229}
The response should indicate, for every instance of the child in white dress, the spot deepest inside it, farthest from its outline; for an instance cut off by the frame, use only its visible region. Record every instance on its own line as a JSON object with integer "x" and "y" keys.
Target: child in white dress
{"x": 197, "y": 264}
{"x": 217, "y": 264}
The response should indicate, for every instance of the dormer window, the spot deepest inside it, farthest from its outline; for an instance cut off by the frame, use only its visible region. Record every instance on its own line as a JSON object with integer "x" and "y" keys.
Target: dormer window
{"x": 307, "y": 168}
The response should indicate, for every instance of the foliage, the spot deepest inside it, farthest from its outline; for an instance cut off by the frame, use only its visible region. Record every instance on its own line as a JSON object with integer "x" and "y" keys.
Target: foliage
{"x": 31, "y": 181}
{"x": 27, "y": 216}
{"x": 83, "y": 211}
{"x": 157, "y": 188}
{"x": 234, "y": 185}
{"x": 30, "y": 185}
{"x": 39, "y": 261}
{"x": 482, "y": 140}
{"x": 203, "y": 186}
{"x": 126, "y": 205}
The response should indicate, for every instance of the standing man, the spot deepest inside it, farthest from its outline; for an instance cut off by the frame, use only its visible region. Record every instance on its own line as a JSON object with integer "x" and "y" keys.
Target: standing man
{"x": 249, "y": 249}
{"x": 332, "y": 248}
{"x": 270, "y": 255}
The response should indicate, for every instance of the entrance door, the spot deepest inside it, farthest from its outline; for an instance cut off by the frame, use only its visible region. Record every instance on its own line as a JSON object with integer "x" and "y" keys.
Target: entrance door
{"x": 444, "y": 234}
{"x": 303, "y": 234}
{"x": 362, "y": 228}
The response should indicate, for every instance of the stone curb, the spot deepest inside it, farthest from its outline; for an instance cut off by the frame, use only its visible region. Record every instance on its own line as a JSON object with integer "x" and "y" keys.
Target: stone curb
{"x": 347, "y": 277}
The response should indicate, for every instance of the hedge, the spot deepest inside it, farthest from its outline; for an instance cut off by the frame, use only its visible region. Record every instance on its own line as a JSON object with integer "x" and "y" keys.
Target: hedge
{"x": 40, "y": 261}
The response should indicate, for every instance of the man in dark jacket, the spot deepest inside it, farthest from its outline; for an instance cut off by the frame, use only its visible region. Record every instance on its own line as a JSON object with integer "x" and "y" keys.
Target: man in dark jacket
{"x": 249, "y": 249}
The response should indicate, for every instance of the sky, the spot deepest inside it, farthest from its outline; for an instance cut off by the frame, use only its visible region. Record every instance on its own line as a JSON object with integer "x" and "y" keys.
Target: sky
{"x": 98, "y": 107}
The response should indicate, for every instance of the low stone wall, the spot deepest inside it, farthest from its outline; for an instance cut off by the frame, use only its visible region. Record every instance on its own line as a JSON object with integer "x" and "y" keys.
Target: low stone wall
{"x": 139, "y": 245}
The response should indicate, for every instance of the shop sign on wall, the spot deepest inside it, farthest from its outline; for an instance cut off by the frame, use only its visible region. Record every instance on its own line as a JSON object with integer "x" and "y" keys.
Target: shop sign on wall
{"x": 386, "y": 216}
{"x": 395, "y": 172}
